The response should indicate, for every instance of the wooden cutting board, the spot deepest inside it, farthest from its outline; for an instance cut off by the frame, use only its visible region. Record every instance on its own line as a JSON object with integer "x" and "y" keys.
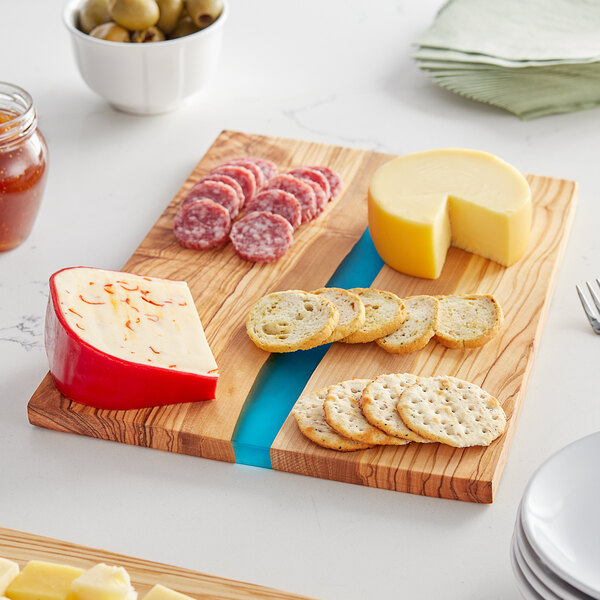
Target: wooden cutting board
{"x": 224, "y": 287}
{"x": 23, "y": 547}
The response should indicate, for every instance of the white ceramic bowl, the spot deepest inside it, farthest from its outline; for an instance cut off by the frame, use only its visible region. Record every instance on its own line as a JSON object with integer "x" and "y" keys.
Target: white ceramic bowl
{"x": 146, "y": 79}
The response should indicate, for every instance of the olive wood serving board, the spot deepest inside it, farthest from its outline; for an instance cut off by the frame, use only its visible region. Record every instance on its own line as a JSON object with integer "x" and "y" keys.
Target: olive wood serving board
{"x": 23, "y": 547}
{"x": 225, "y": 286}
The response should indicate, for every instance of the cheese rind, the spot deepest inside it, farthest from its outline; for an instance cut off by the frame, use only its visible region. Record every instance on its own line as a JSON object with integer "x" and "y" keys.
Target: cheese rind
{"x": 121, "y": 341}
{"x": 42, "y": 581}
{"x": 420, "y": 204}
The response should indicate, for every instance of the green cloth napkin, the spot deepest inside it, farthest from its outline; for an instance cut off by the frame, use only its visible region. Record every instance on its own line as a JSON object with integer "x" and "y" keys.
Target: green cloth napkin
{"x": 531, "y": 57}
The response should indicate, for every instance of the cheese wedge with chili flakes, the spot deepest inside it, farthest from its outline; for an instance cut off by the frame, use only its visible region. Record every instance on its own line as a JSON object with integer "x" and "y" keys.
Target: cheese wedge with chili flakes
{"x": 118, "y": 340}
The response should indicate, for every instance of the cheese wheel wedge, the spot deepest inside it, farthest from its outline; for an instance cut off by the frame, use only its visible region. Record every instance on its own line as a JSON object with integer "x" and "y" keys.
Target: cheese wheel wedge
{"x": 121, "y": 341}
{"x": 420, "y": 204}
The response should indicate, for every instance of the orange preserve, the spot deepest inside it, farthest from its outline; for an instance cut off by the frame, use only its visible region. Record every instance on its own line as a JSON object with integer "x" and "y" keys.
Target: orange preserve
{"x": 23, "y": 162}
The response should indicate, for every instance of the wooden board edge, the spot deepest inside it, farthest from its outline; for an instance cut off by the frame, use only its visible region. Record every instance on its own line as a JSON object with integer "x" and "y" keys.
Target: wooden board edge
{"x": 22, "y": 547}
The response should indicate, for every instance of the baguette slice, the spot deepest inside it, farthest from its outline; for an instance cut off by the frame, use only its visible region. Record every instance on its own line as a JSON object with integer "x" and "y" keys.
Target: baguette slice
{"x": 291, "y": 320}
{"x": 468, "y": 321}
{"x": 350, "y": 307}
{"x": 384, "y": 313}
{"x": 417, "y": 329}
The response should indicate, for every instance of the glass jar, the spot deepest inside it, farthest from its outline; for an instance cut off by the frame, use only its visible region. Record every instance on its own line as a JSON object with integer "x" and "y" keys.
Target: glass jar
{"x": 23, "y": 165}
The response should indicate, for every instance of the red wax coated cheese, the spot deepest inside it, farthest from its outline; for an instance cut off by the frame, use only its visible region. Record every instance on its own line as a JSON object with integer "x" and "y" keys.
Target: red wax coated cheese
{"x": 120, "y": 341}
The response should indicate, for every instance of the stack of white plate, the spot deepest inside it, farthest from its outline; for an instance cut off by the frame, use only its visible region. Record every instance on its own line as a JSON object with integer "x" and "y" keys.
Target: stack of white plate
{"x": 555, "y": 550}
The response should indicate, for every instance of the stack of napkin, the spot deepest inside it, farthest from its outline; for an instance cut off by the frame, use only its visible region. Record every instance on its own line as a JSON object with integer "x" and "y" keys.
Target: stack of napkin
{"x": 531, "y": 57}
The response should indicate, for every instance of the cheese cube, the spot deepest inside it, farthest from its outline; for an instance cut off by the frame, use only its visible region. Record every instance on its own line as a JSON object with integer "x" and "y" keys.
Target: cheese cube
{"x": 8, "y": 571}
{"x": 103, "y": 582}
{"x": 160, "y": 592}
{"x": 42, "y": 581}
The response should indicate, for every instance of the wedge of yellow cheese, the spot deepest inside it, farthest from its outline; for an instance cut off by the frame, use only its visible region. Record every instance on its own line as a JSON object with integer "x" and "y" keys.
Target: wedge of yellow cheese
{"x": 420, "y": 204}
{"x": 42, "y": 581}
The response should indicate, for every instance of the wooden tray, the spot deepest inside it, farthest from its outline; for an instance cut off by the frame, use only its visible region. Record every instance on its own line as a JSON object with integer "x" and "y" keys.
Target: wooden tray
{"x": 225, "y": 286}
{"x": 23, "y": 547}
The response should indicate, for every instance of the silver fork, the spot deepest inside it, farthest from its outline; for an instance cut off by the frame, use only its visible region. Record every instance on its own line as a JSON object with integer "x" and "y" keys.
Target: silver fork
{"x": 589, "y": 311}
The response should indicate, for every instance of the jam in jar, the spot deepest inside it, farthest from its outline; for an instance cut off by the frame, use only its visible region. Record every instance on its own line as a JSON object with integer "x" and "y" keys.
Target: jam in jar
{"x": 23, "y": 162}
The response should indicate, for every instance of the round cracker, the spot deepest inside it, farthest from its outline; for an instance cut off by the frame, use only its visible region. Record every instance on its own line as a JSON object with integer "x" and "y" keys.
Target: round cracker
{"x": 452, "y": 411}
{"x": 310, "y": 416}
{"x": 350, "y": 307}
{"x": 378, "y": 404}
{"x": 291, "y": 320}
{"x": 342, "y": 412}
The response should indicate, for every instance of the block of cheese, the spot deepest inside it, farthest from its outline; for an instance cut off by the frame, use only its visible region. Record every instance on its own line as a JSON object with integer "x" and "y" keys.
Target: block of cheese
{"x": 103, "y": 582}
{"x": 121, "y": 341}
{"x": 420, "y": 204}
{"x": 160, "y": 592}
{"x": 8, "y": 571}
{"x": 42, "y": 581}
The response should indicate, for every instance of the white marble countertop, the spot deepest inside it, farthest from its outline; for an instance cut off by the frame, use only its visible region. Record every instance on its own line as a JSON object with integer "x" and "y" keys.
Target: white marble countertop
{"x": 338, "y": 72}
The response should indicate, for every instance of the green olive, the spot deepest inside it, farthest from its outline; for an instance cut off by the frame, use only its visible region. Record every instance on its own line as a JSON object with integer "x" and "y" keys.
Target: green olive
{"x": 204, "y": 12}
{"x": 134, "y": 14}
{"x": 152, "y": 34}
{"x": 184, "y": 27}
{"x": 111, "y": 32}
{"x": 93, "y": 13}
{"x": 170, "y": 11}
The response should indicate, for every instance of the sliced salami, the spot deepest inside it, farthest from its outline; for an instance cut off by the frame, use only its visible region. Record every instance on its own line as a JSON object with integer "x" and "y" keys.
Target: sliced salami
{"x": 221, "y": 193}
{"x": 320, "y": 197}
{"x": 268, "y": 168}
{"x": 202, "y": 224}
{"x": 262, "y": 236}
{"x": 227, "y": 181}
{"x": 334, "y": 178}
{"x": 277, "y": 202}
{"x": 313, "y": 175}
{"x": 243, "y": 176}
{"x": 300, "y": 190}
{"x": 251, "y": 166}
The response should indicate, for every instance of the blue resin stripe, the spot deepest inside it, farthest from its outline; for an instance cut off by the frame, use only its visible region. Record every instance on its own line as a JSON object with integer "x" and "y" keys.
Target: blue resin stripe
{"x": 283, "y": 376}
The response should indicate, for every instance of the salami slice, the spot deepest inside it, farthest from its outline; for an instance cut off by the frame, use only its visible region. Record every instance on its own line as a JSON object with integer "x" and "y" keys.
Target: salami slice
{"x": 243, "y": 176}
{"x": 269, "y": 169}
{"x": 334, "y": 178}
{"x": 279, "y": 203}
{"x": 227, "y": 181}
{"x": 202, "y": 224}
{"x": 300, "y": 190}
{"x": 313, "y": 175}
{"x": 218, "y": 192}
{"x": 251, "y": 166}
{"x": 320, "y": 197}
{"x": 262, "y": 236}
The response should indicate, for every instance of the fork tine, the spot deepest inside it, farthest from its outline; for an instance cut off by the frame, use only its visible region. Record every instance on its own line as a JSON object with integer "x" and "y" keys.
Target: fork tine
{"x": 588, "y": 311}
{"x": 595, "y": 297}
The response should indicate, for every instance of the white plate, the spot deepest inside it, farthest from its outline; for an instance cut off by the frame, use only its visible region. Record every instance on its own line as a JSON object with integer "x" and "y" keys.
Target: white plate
{"x": 541, "y": 571}
{"x": 561, "y": 517}
{"x": 526, "y": 590}
{"x": 534, "y": 582}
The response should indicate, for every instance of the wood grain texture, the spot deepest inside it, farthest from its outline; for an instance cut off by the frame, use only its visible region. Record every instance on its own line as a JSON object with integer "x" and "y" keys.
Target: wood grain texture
{"x": 23, "y": 547}
{"x": 502, "y": 367}
{"x": 224, "y": 287}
